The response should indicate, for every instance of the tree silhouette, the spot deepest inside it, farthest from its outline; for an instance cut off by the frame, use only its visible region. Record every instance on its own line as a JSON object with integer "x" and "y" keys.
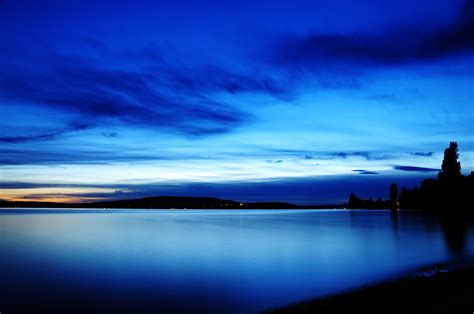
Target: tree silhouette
{"x": 451, "y": 167}
{"x": 354, "y": 201}
{"x": 393, "y": 196}
{"x": 450, "y": 195}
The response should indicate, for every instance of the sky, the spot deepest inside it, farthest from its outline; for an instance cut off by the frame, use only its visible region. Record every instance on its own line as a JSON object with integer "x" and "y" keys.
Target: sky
{"x": 297, "y": 101}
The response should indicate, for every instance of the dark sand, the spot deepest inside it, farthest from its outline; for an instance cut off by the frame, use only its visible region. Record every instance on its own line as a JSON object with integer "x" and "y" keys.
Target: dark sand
{"x": 436, "y": 289}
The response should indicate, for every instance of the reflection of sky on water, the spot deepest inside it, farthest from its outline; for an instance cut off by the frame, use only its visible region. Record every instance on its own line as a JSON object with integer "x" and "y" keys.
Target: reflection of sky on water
{"x": 220, "y": 261}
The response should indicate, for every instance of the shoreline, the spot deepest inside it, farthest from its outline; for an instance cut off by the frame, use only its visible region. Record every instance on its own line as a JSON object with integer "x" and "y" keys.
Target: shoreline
{"x": 438, "y": 288}
{"x": 329, "y": 209}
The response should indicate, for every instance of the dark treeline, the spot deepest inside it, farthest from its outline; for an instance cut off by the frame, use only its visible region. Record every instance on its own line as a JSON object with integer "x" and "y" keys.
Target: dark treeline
{"x": 358, "y": 203}
{"x": 158, "y": 202}
{"x": 166, "y": 202}
{"x": 451, "y": 192}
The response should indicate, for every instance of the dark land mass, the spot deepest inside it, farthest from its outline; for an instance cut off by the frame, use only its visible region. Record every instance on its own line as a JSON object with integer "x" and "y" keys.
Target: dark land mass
{"x": 166, "y": 202}
{"x": 445, "y": 291}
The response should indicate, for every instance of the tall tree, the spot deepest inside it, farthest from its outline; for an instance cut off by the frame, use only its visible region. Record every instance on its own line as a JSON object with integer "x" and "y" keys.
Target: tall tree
{"x": 393, "y": 196}
{"x": 451, "y": 167}
{"x": 393, "y": 193}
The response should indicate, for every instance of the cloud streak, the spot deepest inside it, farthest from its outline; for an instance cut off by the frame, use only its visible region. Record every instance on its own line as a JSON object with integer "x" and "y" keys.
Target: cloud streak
{"x": 422, "y": 154}
{"x": 394, "y": 47}
{"x": 362, "y": 171}
{"x": 414, "y": 169}
{"x": 161, "y": 96}
{"x": 44, "y": 136}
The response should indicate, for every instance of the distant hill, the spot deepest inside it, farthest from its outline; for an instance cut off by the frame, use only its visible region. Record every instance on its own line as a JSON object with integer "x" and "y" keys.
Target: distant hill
{"x": 165, "y": 202}
{"x": 179, "y": 202}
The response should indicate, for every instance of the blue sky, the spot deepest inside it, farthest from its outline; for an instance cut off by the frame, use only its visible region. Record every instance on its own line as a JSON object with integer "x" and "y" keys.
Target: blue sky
{"x": 300, "y": 101}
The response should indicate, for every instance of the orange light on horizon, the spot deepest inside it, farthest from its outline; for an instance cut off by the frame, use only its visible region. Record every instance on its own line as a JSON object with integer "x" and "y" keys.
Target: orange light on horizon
{"x": 57, "y": 195}
{"x": 53, "y": 199}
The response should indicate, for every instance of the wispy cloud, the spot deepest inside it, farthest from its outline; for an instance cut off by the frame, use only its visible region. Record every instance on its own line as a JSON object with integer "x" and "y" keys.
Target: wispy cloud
{"x": 415, "y": 169}
{"x": 162, "y": 96}
{"x": 398, "y": 46}
{"x": 270, "y": 161}
{"x": 362, "y": 171}
{"x": 80, "y": 155}
{"x": 422, "y": 154}
{"x": 44, "y": 136}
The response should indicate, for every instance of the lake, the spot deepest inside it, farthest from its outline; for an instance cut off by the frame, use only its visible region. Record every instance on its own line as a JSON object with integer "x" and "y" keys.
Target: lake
{"x": 186, "y": 261}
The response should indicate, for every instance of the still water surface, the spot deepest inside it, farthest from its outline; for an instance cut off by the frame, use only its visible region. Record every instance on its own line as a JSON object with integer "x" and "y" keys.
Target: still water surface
{"x": 211, "y": 261}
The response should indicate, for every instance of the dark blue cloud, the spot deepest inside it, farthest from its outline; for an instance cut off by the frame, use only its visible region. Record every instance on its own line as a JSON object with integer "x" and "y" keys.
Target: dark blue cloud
{"x": 44, "y": 136}
{"x": 400, "y": 45}
{"x": 422, "y": 154}
{"x": 111, "y": 135}
{"x": 24, "y": 185}
{"x": 215, "y": 79}
{"x": 362, "y": 171}
{"x": 100, "y": 94}
{"x": 335, "y": 155}
{"x": 366, "y": 155}
{"x": 413, "y": 168}
{"x": 274, "y": 161}
{"x": 33, "y": 185}
{"x": 162, "y": 96}
{"x": 72, "y": 155}
{"x": 328, "y": 155}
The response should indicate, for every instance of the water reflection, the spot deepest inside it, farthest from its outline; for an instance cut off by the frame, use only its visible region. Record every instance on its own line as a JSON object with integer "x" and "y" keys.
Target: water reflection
{"x": 455, "y": 232}
{"x": 214, "y": 261}
{"x": 394, "y": 219}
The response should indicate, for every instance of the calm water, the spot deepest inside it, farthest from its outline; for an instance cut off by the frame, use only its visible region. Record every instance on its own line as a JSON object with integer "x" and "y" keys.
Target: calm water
{"x": 211, "y": 261}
